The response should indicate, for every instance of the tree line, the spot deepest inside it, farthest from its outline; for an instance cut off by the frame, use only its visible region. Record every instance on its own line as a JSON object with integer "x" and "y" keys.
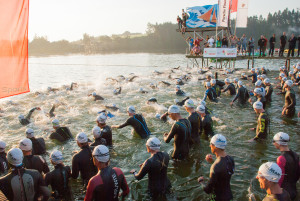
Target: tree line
{"x": 163, "y": 38}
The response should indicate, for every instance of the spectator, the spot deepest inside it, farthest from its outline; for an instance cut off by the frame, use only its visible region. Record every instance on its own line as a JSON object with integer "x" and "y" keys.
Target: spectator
{"x": 196, "y": 50}
{"x": 218, "y": 42}
{"x": 298, "y": 45}
{"x": 265, "y": 45}
{"x": 233, "y": 42}
{"x": 197, "y": 41}
{"x": 238, "y": 45}
{"x": 244, "y": 44}
{"x": 183, "y": 28}
{"x": 292, "y": 45}
{"x": 272, "y": 45}
{"x": 191, "y": 43}
{"x": 179, "y": 21}
{"x": 211, "y": 41}
{"x": 261, "y": 44}
{"x": 251, "y": 46}
{"x": 224, "y": 42}
{"x": 283, "y": 40}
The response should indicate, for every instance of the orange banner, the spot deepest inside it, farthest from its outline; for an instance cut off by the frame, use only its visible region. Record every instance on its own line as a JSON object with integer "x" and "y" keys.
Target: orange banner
{"x": 13, "y": 47}
{"x": 234, "y": 5}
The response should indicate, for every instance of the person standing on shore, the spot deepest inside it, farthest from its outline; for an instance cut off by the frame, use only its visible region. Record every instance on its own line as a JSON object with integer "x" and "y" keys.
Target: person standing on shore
{"x": 292, "y": 45}
{"x": 272, "y": 45}
{"x": 244, "y": 44}
{"x": 251, "y": 46}
{"x": 283, "y": 40}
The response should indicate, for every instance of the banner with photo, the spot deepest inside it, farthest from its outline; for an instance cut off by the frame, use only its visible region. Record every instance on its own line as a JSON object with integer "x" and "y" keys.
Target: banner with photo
{"x": 202, "y": 16}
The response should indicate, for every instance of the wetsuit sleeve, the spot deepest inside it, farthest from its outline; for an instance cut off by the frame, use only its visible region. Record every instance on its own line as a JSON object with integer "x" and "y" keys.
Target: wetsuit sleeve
{"x": 236, "y": 96}
{"x": 293, "y": 103}
{"x": 51, "y": 112}
{"x": 143, "y": 171}
{"x": 172, "y": 133}
{"x": 123, "y": 182}
{"x": 251, "y": 75}
{"x": 205, "y": 95}
{"x": 75, "y": 168}
{"x": 211, "y": 183}
{"x": 281, "y": 161}
{"x": 90, "y": 190}
{"x": 226, "y": 89}
{"x": 48, "y": 179}
{"x": 43, "y": 189}
{"x": 30, "y": 113}
{"x": 45, "y": 165}
{"x": 127, "y": 123}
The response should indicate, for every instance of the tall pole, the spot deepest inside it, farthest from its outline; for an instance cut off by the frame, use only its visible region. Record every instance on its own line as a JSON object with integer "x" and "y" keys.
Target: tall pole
{"x": 217, "y": 21}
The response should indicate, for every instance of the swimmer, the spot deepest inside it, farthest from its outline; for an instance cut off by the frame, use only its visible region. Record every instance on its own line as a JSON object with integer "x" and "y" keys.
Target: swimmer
{"x": 38, "y": 144}
{"x": 216, "y": 87}
{"x": 268, "y": 177}
{"x": 96, "y": 97}
{"x": 269, "y": 90}
{"x": 137, "y": 121}
{"x": 3, "y": 160}
{"x": 242, "y": 95}
{"x": 180, "y": 103}
{"x": 97, "y": 137}
{"x": 195, "y": 121}
{"x": 181, "y": 132}
{"x": 31, "y": 178}
{"x": 253, "y": 75}
{"x": 152, "y": 86}
{"x": 107, "y": 183}
{"x": 288, "y": 161}
{"x": 210, "y": 93}
{"x": 221, "y": 170}
{"x": 82, "y": 162}
{"x": 263, "y": 122}
{"x": 112, "y": 107}
{"x": 61, "y": 134}
{"x": 31, "y": 161}
{"x": 243, "y": 76}
{"x": 50, "y": 89}
{"x": 207, "y": 122}
{"x": 106, "y": 132}
{"x": 151, "y": 100}
{"x": 58, "y": 178}
{"x": 179, "y": 81}
{"x": 258, "y": 84}
{"x": 26, "y": 120}
{"x": 235, "y": 81}
{"x": 165, "y": 83}
{"x": 179, "y": 92}
{"x": 263, "y": 70}
{"x": 156, "y": 167}
{"x": 290, "y": 100}
{"x": 117, "y": 91}
{"x": 207, "y": 109}
{"x": 230, "y": 87}
{"x": 141, "y": 90}
{"x": 259, "y": 97}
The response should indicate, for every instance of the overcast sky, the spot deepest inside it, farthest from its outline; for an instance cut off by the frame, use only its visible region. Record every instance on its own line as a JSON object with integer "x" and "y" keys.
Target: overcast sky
{"x": 70, "y": 19}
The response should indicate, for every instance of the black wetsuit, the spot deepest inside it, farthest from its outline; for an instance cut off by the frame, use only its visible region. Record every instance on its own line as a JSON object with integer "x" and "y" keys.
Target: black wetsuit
{"x": 61, "y": 134}
{"x": 156, "y": 167}
{"x": 83, "y": 162}
{"x": 107, "y": 135}
{"x": 97, "y": 97}
{"x": 180, "y": 93}
{"x": 262, "y": 126}
{"x": 31, "y": 186}
{"x": 272, "y": 45}
{"x": 219, "y": 179}
{"x": 263, "y": 100}
{"x": 26, "y": 120}
{"x": 289, "y": 163}
{"x": 105, "y": 186}
{"x": 290, "y": 103}
{"x": 3, "y": 163}
{"x": 98, "y": 141}
{"x": 254, "y": 77}
{"x": 139, "y": 125}
{"x": 263, "y": 71}
{"x": 278, "y": 197}
{"x": 181, "y": 103}
{"x": 211, "y": 94}
{"x": 181, "y": 132}
{"x": 207, "y": 111}
{"x": 269, "y": 91}
{"x": 207, "y": 125}
{"x": 59, "y": 181}
{"x": 217, "y": 90}
{"x": 242, "y": 95}
{"x": 196, "y": 124}
{"x": 38, "y": 146}
{"x": 243, "y": 78}
{"x": 36, "y": 163}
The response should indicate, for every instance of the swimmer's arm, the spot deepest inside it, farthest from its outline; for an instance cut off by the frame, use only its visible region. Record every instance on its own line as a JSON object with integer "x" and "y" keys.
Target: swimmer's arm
{"x": 205, "y": 95}
{"x": 236, "y": 96}
{"x": 43, "y": 189}
{"x": 281, "y": 161}
{"x": 226, "y": 89}
{"x": 30, "y": 112}
{"x": 292, "y": 102}
{"x": 143, "y": 171}
{"x": 210, "y": 184}
{"x": 124, "y": 186}
{"x": 75, "y": 168}
{"x": 171, "y": 134}
{"x": 122, "y": 125}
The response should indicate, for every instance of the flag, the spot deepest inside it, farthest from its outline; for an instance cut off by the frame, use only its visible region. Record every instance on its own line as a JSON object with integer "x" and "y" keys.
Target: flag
{"x": 223, "y": 13}
{"x": 234, "y": 4}
{"x": 13, "y": 47}
{"x": 242, "y": 14}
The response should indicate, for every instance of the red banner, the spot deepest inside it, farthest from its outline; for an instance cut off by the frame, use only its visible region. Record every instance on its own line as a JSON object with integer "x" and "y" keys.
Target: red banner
{"x": 234, "y": 5}
{"x": 13, "y": 47}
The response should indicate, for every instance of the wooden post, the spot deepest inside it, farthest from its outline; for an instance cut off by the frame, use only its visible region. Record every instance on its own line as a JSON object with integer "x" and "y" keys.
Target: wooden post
{"x": 248, "y": 63}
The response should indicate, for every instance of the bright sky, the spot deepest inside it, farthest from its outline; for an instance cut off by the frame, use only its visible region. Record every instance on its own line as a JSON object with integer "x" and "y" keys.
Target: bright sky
{"x": 70, "y": 19}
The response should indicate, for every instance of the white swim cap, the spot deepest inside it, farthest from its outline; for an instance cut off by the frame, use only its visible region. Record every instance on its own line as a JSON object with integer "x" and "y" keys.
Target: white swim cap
{"x": 189, "y": 103}
{"x": 201, "y": 109}
{"x": 291, "y": 73}
{"x": 257, "y": 91}
{"x": 15, "y": 156}
{"x": 281, "y": 138}
{"x": 102, "y": 118}
{"x": 240, "y": 83}
{"x": 141, "y": 89}
{"x": 289, "y": 83}
{"x": 259, "y": 76}
{"x": 271, "y": 171}
{"x": 25, "y": 144}
{"x": 94, "y": 94}
{"x": 153, "y": 143}
{"x": 203, "y": 103}
{"x": 258, "y": 83}
{"x": 263, "y": 76}
{"x": 81, "y": 138}
{"x": 2, "y": 146}
{"x": 177, "y": 87}
{"x": 176, "y": 101}
{"x": 131, "y": 109}
{"x": 55, "y": 123}
{"x": 213, "y": 82}
{"x": 207, "y": 84}
{"x": 21, "y": 116}
{"x": 282, "y": 75}
{"x": 243, "y": 74}
{"x": 235, "y": 79}
{"x": 227, "y": 80}
{"x": 267, "y": 80}
{"x": 174, "y": 109}
{"x": 219, "y": 141}
{"x": 96, "y": 132}
{"x": 157, "y": 116}
{"x": 258, "y": 105}
{"x": 284, "y": 79}
{"x": 56, "y": 157}
{"x": 101, "y": 153}
{"x": 29, "y": 133}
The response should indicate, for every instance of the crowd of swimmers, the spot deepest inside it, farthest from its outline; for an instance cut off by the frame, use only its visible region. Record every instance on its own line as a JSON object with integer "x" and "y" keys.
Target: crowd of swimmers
{"x": 27, "y": 176}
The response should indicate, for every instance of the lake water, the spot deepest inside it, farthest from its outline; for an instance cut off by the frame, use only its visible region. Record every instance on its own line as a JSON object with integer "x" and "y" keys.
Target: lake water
{"x": 78, "y": 112}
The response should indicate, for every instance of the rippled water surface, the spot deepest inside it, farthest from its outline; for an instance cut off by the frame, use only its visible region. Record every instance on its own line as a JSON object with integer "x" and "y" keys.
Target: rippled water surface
{"x": 78, "y": 112}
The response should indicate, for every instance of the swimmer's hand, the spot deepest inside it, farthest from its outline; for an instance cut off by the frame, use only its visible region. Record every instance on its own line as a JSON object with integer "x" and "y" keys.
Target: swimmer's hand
{"x": 140, "y": 165}
{"x": 114, "y": 126}
{"x": 250, "y": 100}
{"x": 231, "y": 103}
{"x": 252, "y": 140}
{"x": 252, "y": 129}
{"x": 166, "y": 134}
{"x": 283, "y": 111}
{"x": 200, "y": 180}
{"x": 209, "y": 158}
{"x": 133, "y": 171}
{"x": 37, "y": 108}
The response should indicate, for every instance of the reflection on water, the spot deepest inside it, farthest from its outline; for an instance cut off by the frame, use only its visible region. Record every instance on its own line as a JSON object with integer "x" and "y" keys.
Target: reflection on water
{"x": 78, "y": 112}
